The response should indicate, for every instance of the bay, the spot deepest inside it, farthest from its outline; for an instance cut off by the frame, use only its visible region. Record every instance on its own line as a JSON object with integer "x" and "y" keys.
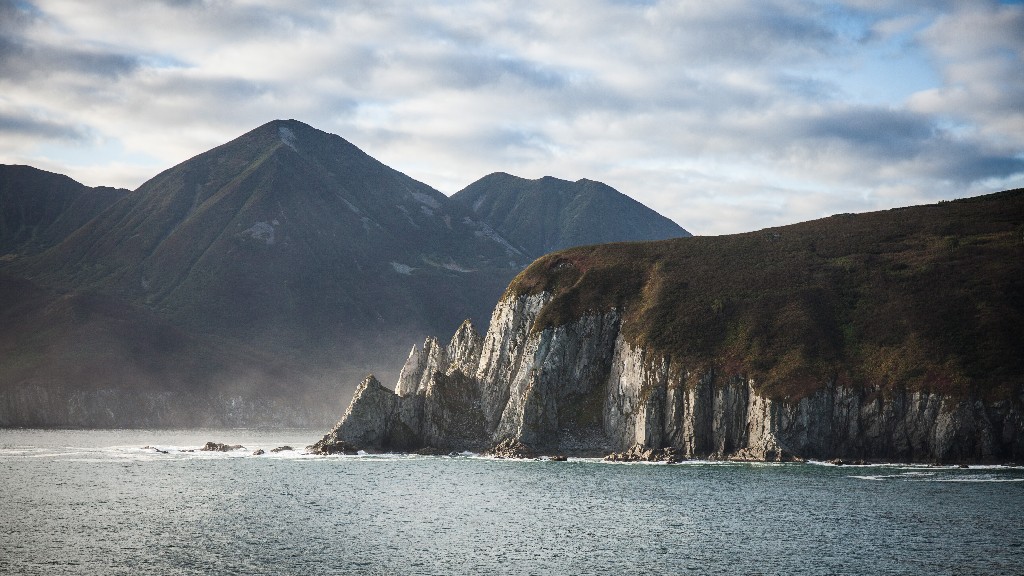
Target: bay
{"x": 138, "y": 502}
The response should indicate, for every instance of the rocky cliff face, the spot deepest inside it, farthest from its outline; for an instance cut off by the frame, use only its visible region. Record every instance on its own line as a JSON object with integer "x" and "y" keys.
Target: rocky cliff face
{"x": 582, "y": 388}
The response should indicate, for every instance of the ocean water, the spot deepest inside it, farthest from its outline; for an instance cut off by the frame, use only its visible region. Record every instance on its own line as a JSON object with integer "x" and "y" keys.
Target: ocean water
{"x": 98, "y": 502}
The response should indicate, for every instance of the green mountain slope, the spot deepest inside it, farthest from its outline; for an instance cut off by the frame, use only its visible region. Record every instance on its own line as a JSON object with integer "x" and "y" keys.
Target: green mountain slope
{"x": 929, "y": 297}
{"x": 549, "y": 214}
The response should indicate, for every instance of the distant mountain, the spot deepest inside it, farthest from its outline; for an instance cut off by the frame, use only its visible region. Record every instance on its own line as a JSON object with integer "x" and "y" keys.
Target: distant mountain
{"x": 292, "y": 235}
{"x": 548, "y": 214}
{"x": 38, "y": 209}
{"x": 286, "y": 262}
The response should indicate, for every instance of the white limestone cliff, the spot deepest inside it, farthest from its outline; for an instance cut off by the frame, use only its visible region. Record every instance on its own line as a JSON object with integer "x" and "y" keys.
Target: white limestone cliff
{"x": 582, "y": 388}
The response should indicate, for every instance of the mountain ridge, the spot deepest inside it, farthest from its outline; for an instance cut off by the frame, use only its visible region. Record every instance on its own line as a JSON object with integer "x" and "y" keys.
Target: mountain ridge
{"x": 39, "y": 209}
{"x": 287, "y": 241}
{"x": 549, "y": 214}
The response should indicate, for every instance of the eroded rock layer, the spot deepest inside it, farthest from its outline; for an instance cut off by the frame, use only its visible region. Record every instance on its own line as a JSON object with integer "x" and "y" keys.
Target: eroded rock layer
{"x": 892, "y": 335}
{"x": 582, "y": 389}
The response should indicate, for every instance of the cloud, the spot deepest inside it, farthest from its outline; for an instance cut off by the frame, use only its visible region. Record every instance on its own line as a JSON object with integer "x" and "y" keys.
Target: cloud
{"x": 725, "y": 116}
{"x": 23, "y": 124}
{"x": 979, "y": 49}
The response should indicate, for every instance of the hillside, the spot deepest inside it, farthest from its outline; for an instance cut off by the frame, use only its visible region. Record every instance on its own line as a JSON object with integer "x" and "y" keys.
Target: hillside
{"x": 290, "y": 234}
{"x": 548, "y": 214}
{"x": 38, "y": 209}
{"x": 274, "y": 266}
{"x": 79, "y": 359}
{"x": 926, "y": 297}
{"x": 891, "y": 336}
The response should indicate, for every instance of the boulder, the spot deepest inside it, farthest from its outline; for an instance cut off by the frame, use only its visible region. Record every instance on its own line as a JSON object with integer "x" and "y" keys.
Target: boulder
{"x": 327, "y": 447}
{"x": 511, "y": 448}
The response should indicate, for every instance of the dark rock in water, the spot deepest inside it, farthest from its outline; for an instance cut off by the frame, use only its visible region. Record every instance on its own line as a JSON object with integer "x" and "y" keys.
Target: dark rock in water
{"x": 218, "y": 447}
{"x": 369, "y": 422}
{"x": 964, "y": 466}
{"x": 154, "y": 448}
{"x": 511, "y": 448}
{"x": 282, "y": 449}
{"x": 259, "y": 452}
{"x": 329, "y": 446}
{"x": 836, "y": 462}
{"x": 429, "y": 451}
{"x": 641, "y": 453}
{"x": 558, "y": 458}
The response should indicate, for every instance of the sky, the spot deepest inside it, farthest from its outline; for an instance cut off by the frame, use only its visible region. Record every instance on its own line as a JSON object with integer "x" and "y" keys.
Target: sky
{"x": 726, "y": 116}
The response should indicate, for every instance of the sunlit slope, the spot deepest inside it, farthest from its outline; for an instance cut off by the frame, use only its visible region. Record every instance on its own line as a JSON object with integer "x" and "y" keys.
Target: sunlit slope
{"x": 923, "y": 297}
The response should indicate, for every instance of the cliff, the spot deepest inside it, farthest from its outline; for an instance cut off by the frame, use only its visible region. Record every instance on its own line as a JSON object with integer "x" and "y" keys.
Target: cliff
{"x": 594, "y": 350}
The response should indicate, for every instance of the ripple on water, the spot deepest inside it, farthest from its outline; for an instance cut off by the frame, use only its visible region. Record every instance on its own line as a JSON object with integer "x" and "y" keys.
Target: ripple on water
{"x": 99, "y": 503}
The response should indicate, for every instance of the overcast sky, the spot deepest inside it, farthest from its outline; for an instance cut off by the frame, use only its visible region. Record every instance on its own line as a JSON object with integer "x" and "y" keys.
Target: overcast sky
{"x": 726, "y": 116}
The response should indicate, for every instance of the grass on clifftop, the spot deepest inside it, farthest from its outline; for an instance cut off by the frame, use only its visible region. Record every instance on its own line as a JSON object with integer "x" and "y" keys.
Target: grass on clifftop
{"x": 928, "y": 297}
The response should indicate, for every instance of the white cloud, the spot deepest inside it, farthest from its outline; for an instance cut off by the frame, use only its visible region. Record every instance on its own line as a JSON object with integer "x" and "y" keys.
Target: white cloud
{"x": 725, "y": 116}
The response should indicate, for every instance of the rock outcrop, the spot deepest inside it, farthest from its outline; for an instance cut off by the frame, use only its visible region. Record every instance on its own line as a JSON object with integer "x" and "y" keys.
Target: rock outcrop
{"x": 892, "y": 335}
{"x": 220, "y": 447}
{"x": 582, "y": 389}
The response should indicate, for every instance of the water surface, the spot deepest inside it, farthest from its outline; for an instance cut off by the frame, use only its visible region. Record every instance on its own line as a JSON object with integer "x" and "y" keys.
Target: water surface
{"x": 98, "y": 502}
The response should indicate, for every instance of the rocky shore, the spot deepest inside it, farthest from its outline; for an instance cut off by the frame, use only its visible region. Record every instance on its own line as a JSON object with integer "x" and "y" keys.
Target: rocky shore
{"x": 582, "y": 389}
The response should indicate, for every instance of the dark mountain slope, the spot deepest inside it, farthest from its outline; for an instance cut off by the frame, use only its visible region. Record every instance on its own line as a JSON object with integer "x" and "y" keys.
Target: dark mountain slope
{"x": 929, "y": 297}
{"x": 289, "y": 234}
{"x": 38, "y": 209}
{"x": 278, "y": 264}
{"x": 82, "y": 359}
{"x": 549, "y": 214}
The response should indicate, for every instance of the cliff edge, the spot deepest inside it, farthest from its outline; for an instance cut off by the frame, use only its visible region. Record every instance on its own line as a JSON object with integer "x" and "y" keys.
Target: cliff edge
{"x": 885, "y": 336}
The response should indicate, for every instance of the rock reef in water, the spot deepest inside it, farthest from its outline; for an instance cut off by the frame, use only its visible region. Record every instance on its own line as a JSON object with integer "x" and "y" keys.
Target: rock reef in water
{"x": 582, "y": 389}
{"x": 219, "y": 447}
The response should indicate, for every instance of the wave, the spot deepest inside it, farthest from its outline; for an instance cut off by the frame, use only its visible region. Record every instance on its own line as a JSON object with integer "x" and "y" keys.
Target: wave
{"x": 944, "y": 475}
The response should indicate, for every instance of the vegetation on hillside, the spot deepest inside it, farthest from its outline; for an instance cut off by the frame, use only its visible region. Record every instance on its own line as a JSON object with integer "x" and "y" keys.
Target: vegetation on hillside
{"x": 928, "y": 297}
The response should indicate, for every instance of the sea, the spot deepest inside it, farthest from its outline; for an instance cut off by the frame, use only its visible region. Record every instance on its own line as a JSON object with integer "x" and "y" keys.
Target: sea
{"x": 149, "y": 502}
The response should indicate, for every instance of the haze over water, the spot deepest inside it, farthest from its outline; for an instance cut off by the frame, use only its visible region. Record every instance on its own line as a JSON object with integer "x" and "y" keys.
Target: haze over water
{"x": 74, "y": 502}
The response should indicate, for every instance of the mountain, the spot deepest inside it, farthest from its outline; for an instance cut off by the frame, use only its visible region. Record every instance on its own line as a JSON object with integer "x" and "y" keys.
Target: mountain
{"x": 38, "y": 209}
{"x": 291, "y": 234}
{"x": 282, "y": 264}
{"x": 883, "y": 336}
{"x": 287, "y": 244}
{"x": 549, "y": 214}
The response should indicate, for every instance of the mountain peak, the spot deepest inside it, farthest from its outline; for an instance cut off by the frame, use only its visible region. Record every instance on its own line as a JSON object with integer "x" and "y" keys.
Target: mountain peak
{"x": 294, "y": 134}
{"x": 548, "y": 214}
